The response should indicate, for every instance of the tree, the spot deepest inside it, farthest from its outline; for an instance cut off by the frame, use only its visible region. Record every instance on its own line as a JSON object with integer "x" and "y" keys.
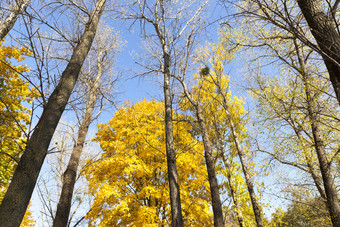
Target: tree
{"x": 304, "y": 103}
{"x": 302, "y": 211}
{"x": 173, "y": 26}
{"x": 16, "y": 10}
{"x": 14, "y": 204}
{"x": 210, "y": 97}
{"x": 283, "y": 29}
{"x": 104, "y": 50}
{"x": 320, "y": 23}
{"x": 129, "y": 181}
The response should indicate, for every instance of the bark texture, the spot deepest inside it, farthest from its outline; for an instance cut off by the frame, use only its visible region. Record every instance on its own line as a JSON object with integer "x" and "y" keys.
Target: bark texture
{"x": 327, "y": 37}
{"x": 17, "y": 9}
{"x": 70, "y": 174}
{"x": 18, "y": 195}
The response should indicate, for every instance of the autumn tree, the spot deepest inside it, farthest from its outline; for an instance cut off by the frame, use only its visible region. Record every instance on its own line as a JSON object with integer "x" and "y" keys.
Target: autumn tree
{"x": 282, "y": 30}
{"x": 15, "y": 95}
{"x": 168, "y": 27}
{"x": 314, "y": 23}
{"x": 212, "y": 103}
{"x": 15, "y": 116}
{"x": 129, "y": 181}
{"x": 14, "y": 204}
{"x": 301, "y": 100}
{"x": 303, "y": 210}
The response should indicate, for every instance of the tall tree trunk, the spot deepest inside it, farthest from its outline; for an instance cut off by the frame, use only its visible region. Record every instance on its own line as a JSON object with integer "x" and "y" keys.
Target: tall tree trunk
{"x": 330, "y": 189}
{"x": 241, "y": 155}
{"x": 70, "y": 174}
{"x": 18, "y": 195}
{"x": 209, "y": 159}
{"x": 325, "y": 167}
{"x": 17, "y": 9}
{"x": 176, "y": 210}
{"x": 326, "y": 36}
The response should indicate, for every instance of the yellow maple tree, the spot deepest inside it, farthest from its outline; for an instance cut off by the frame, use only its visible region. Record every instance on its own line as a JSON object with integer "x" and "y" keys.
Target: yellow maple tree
{"x": 129, "y": 182}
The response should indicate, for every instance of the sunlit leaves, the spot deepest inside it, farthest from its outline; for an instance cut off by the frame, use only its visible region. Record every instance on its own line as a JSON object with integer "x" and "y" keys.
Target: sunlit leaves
{"x": 129, "y": 182}
{"x": 15, "y": 94}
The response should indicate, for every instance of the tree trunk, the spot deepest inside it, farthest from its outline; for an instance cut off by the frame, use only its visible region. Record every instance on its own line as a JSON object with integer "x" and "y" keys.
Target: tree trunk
{"x": 70, "y": 174}
{"x": 241, "y": 154}
{"x": 7, "y": 25}
{"x": 326, "y": 36}
{"x": 176, "y": 210}
{"x": 14, "y": 204}
{"x": 330, "y": 189}
{"x": 209, "y": 159}
{"x": 232, "y": 191}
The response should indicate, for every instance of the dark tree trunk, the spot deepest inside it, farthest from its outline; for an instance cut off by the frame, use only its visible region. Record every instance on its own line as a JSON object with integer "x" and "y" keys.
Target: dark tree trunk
{"x": 7, "y": 25}
{"x": 18, "y": 195}
{"x": 70, "y": 174}
{"x": 327, "y": 38}
{"x": 176, "y": 210}
{"x": 330, "y": 189}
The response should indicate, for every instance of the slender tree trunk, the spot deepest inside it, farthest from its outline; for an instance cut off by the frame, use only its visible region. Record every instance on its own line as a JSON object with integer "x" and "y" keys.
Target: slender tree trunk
{"x": 7, "y": 25}
{"x": 176, "y": 210}
{"x": 14, "y": 204}
{"x": 326, "y": 36}
{"x": 232, "y": 191}
{"x": 330, "y": 189}
{"x": 241, "y": 154}
{"x": 209, "y": 159}
{"x": 70, "y": 174}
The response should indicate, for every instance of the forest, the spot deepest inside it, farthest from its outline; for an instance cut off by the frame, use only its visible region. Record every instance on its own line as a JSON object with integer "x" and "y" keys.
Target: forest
{"x": 174, "y": 113}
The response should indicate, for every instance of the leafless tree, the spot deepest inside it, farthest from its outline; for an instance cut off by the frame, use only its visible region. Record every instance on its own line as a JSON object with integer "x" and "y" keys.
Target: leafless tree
{"x": 14, "y": 204}
{"x": 99, "y": 63}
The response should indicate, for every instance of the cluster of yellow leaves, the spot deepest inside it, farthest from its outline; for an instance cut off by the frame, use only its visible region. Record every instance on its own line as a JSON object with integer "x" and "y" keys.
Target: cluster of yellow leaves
{"x": 14, "y": 116}
{"x": 212, "y": 93}
{"x": 129, "y": 182}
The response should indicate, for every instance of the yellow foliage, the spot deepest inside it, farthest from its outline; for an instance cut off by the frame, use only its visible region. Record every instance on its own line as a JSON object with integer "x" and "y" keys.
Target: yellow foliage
{"x": 129, "y": 182}
{"x": 14, "y": 116}
{"x": 221, "y": 111}
{"x": 28, "y": 219}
